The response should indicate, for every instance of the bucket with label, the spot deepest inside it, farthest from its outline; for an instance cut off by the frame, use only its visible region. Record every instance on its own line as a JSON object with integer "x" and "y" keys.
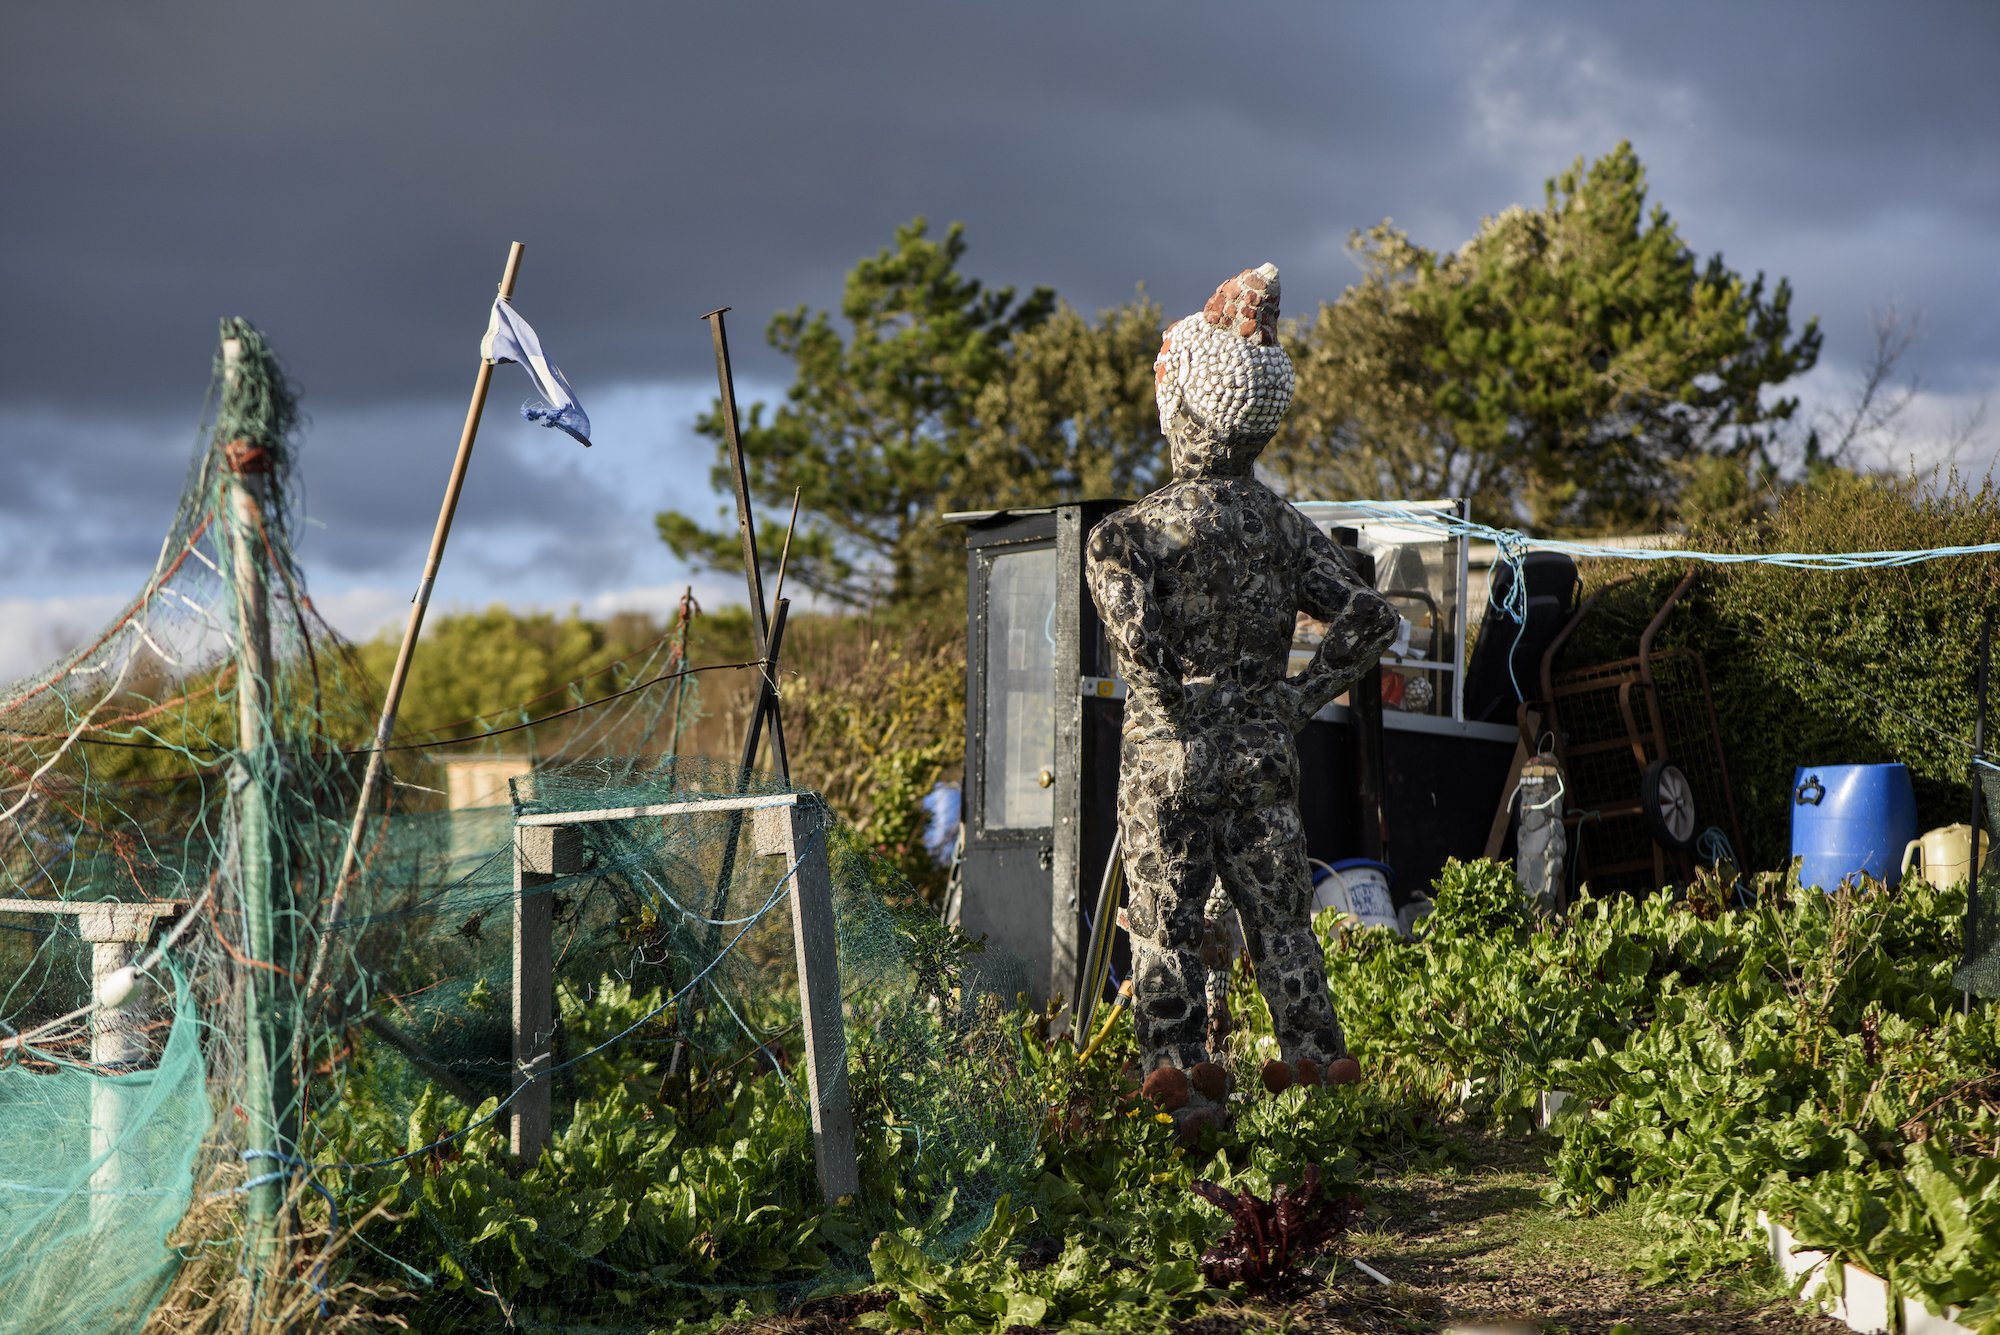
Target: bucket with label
{"x": 1357, "y": 887}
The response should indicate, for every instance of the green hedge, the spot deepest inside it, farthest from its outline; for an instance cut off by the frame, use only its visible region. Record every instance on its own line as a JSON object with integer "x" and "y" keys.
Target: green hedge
{"x": 1827, "y": 668}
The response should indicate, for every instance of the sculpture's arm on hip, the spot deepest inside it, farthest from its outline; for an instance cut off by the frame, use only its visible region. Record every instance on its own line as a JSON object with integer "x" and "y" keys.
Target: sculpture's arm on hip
{"x": 1360, "y": 623}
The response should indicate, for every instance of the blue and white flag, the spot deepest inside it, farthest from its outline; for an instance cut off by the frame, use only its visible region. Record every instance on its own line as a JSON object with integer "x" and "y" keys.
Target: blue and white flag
{"x": 510, "y": 339}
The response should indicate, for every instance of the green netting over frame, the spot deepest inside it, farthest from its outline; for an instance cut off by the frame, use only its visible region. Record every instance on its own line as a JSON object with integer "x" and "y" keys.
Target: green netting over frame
{"x": 91, "y": 1168}
{"x": 341, "y": 1152}
{"x": 1979, "y": 974}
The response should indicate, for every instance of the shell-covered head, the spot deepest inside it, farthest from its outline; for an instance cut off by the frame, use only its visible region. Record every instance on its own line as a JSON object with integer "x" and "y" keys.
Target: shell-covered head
{"x": 1221, "y": 380}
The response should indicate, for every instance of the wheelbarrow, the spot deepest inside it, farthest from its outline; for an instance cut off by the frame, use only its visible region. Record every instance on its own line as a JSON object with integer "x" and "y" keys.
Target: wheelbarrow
{"x": 1647, "y": 786}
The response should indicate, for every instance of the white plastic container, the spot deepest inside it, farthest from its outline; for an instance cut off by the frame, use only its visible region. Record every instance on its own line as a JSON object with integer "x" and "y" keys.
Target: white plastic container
{"x": 1358, "y": 888}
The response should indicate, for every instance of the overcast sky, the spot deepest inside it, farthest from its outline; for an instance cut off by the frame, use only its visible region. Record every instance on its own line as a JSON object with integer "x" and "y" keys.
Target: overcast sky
{"x": 348, "y": 176}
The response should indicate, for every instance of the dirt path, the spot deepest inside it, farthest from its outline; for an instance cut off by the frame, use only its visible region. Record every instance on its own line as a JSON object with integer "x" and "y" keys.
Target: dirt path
{"x": 1477, "y": 1246}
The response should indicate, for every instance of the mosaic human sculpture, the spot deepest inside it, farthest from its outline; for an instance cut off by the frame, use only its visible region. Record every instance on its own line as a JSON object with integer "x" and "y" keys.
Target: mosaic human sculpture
{"x": 1199, "y": 586}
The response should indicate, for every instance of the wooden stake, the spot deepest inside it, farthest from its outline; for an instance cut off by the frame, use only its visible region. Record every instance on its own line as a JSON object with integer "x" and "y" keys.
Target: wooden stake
{"x": 266, "y": 1095}
{"x": 797, "y": 834}
{"x": 785, "y": 552}
{"x": 541, "y": 854}
{"x": 371, "y": 779}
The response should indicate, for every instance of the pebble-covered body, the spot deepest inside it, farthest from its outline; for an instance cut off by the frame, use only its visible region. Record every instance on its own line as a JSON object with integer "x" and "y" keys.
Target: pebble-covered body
{"x": 1199, "y": 586}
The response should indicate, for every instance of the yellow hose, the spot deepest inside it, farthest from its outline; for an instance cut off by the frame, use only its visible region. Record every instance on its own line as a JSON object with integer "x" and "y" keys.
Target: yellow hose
{"x": 1123, "y": 1000}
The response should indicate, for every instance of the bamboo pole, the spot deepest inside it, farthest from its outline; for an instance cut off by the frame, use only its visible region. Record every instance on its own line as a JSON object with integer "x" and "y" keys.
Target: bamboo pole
{"x": 371, "y": 779}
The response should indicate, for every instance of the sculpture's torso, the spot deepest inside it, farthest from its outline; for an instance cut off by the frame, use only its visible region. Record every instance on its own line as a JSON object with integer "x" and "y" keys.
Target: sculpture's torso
{"x": 1227, "y": 558}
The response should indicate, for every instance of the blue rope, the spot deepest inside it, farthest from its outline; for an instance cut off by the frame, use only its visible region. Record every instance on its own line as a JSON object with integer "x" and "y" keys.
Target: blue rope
{"x": 316, "y": 1277}
{"x": 1512, "y": 541}
{"x": 1513, "y": 546}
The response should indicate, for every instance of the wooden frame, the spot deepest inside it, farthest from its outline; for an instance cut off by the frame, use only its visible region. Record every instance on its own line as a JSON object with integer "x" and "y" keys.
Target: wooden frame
{"x": 786, "y": 825}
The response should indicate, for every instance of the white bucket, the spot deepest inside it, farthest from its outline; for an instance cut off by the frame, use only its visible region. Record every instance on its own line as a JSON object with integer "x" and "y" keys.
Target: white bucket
{"x": 1359, "y": 890}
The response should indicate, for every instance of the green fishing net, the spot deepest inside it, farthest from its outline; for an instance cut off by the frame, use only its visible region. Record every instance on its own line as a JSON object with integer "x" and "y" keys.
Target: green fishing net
{"x": 304, "y": 1104}
{"x": 1979, "y": 973}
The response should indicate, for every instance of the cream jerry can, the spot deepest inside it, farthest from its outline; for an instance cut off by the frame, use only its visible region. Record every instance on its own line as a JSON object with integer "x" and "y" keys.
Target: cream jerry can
{"x": 1943, "y": 855}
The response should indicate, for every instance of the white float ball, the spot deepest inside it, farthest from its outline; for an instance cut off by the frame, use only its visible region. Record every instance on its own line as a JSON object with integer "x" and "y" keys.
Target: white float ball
{"x": 117, "y": 985}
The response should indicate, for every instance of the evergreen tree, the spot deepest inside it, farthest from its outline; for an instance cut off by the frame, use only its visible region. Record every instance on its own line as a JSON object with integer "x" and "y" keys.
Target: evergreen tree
{"x": 1571, "y": 367}
{"x": 873, "y": 423}
{"x": 944, "y": 394}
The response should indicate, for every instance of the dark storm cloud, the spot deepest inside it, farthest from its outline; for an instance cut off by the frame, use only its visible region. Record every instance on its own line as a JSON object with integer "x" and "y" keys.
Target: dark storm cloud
{"x": 348, "y": 176}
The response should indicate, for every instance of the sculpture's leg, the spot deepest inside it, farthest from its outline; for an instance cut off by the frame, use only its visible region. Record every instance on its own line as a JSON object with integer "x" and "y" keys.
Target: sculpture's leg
{"x": 1263, "y": 856}
{"x": 1169, "y": 868}
{"x": 1218, "y": 952}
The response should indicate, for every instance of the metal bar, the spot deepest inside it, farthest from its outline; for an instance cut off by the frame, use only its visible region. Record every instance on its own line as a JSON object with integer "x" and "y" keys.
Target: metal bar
{"x": 1103, "y": 924}
{"x": 766, "y": 698}
{"x": 766, "y": 705}
{"x": 1364, "y": 701}
{"x": 371, "y": 778}
{"x": 1066, "y": 844}
{"x": 1462, "y": 615}
{"x": 781, "y": 760}
{"x": 1659, "y": 620}
{"x": 1569, "y": 628}
{"x": 739, "y": 476}
{"x": 785, "y": 552}
{"x": 1978, "y": 750}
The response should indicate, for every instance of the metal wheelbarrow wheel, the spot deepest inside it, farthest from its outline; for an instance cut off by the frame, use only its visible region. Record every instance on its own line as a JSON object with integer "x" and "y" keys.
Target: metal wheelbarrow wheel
{"x": 1667, "y": 802}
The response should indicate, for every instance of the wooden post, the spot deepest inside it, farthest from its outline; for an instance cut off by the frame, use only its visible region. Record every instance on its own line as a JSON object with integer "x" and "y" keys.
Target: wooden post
{"x": 266, "y": 1049}
{"x": 541, "y": 854}
{"x": 791, "y": 832}
{"x": 117, "y": 1040}
{"x": 117, "y": 1043}
{"x": 371, "y": 778}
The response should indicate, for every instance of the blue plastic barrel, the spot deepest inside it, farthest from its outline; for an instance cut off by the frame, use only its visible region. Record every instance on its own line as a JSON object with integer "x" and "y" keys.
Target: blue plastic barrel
{"x": 1850, "y": 819}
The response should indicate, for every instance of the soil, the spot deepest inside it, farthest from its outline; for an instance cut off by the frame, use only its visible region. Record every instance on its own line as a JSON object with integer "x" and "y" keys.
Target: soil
{"x": 1477, "y": 1250}
{"x": 1472, "y": 1250}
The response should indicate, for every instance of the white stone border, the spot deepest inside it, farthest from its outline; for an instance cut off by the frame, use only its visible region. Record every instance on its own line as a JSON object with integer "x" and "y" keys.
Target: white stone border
{"x": 1866, "y": 1307}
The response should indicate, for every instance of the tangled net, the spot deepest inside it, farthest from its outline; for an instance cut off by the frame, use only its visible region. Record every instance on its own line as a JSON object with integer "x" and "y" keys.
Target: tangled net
{"x": 192, "y": 1137}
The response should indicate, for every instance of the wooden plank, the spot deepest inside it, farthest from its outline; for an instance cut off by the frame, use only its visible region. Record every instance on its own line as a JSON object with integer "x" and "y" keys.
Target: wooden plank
{"x": 794, "y": 835}
{"x": 159, "y": 908}
{"x": 749, "y": 802}
{"x": 540, "y": 856}
{"x": 1066, "y": 837}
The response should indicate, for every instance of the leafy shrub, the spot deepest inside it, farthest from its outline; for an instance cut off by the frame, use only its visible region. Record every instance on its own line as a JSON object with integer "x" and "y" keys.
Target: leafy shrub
{"x": 875, "y": 715}
{"x": 1806, "y": 1055}
{"x": 1476, "y": 900}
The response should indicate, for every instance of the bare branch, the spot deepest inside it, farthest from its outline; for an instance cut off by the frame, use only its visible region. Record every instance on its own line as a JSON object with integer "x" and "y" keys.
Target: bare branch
{"x": 1878, "y": 397}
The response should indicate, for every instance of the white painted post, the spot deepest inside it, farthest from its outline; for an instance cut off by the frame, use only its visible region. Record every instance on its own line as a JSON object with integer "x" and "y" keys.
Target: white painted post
{"x": 117, "y": 1040}
{"x": 790, "y": 832}
{"x": 541, "y": 854}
